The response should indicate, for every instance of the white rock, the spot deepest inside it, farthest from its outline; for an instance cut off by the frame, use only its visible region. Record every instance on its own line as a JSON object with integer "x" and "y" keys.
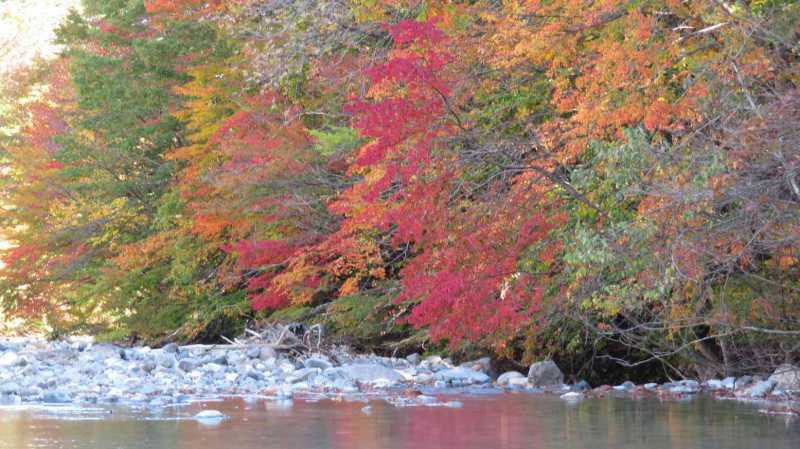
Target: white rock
{"x": 519, "y": 382}
{"x": 463, "y": 376}
{"x": 9, "y": 359}
{"x": 210, "y": 414}
{"x": 572, "y": 396}
{"x": 504, "y": 378}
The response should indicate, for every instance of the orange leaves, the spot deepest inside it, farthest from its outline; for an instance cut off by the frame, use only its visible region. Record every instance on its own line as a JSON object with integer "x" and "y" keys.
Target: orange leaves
{"x": 658, "y": 116}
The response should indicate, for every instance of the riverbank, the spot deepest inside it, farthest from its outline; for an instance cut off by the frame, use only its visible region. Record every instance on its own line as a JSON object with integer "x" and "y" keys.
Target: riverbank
{"x": 80, "y": 371}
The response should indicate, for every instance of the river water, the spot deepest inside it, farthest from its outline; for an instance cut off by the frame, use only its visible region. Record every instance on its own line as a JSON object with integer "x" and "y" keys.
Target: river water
{"x": 493, "y": 422}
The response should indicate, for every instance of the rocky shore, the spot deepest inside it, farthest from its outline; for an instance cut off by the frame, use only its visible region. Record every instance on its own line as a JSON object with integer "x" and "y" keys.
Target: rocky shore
{"x": 34, "y": 371}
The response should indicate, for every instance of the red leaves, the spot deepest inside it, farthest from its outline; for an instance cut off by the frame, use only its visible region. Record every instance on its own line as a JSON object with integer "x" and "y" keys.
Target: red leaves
{"x": 251, "y": 254}
{"x": 412, "y": 31}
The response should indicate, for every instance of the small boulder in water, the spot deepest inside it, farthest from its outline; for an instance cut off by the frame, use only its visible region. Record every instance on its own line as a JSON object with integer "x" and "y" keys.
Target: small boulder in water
{"x": 572, "y": 396}
{"x": 210, "y": 415}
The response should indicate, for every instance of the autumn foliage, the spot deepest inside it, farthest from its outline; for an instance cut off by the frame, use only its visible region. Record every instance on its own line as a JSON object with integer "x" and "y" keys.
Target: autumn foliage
{"x": 500, "y": 174}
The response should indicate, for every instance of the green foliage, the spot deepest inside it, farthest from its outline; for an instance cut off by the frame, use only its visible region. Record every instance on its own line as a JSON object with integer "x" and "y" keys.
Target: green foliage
{"x": 335, "y": 140}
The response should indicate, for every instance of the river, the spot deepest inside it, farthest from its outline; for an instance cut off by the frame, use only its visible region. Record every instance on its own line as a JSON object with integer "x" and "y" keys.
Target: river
{"x": 531, "y": 421}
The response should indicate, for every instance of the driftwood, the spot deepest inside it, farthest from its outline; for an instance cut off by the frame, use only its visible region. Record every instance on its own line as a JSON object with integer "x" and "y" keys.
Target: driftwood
{"x": 278, "y": 336}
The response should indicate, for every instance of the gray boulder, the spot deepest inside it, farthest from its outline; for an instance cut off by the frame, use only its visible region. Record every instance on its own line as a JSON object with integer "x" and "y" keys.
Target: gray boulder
{"x": 787, "y": 377}
{"x": 545, "y": 374}
{"x": 10, "y": 388}
{"x": 253, "y": 352}
{"x": 483, "y": 364}
{"x": 302, "y": 375}
{"x": 267, "y": 352}
{"x": 758, "y": 389}
{"x": 166, "y": 360}
{"x": 187, "y": 365}
{"x": 317, "y": 362}
{"x": 370, "y": 373}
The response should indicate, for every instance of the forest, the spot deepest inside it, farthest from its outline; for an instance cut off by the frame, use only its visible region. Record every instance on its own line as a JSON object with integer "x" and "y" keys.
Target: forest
{"x": 612, "y": 184}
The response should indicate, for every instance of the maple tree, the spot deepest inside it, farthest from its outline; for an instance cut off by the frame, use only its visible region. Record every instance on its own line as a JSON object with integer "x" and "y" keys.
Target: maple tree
{"x": 529, "y": 177}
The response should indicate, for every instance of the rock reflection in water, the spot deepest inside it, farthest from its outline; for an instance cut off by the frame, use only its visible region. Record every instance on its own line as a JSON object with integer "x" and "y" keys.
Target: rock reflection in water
{"x": 502, "y": 421}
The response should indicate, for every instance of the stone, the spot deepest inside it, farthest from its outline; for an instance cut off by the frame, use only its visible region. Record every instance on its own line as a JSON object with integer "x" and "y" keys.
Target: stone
{"x": 170, "y": 348}
{"x": 503, "y": 379}
{"x": 210, "y": 415}
{"x": 425, "y": 399}
{"x": 187, "y": 365}
{"x": 787, "y": 377}
{"x": 56, "y": 397}
{"x": 148, "y": 366}
{"x": 683, "y": 387}
{"x": 166, "y": 360}
{"x": 743, "y": 381}
{"x": 253, "y": 352}
{"x": 317, "y": 362}
{"x": 582, "y": 386}
{"x": 10, "y": 388}
{"x": 572, "y": 396}
{"x": 625, "y": 386}
{"x": 757, "y": 390}
{"x": 370, "y": 373}
{"x": 462, "y": 376}
{"x": 413, "y": 358}
{"x": 483, "y": 364}
{"x": 8, "y": 359}
{"x": 267, "y": 352}
{"x": 545, "y": 374}
{"x": 302, "y": 375}
{"x": 729, "y": 383}
{"x": 518, "y": 382}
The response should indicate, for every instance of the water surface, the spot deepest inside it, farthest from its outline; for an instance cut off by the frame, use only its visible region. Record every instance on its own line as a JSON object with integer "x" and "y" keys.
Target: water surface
{"x": 501, "y": 421}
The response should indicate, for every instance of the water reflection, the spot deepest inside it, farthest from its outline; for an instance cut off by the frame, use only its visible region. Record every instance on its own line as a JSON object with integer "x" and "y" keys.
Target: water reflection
{"x": 505, "y": 421}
